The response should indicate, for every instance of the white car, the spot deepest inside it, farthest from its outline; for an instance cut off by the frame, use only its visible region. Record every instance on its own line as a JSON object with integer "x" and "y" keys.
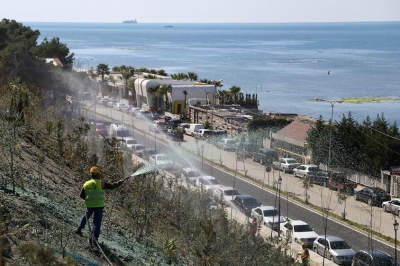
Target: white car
{"x": 128, "y": 142}
{"x": 207, "y": 183}
{"x": 392, "y": 206}
{"x": 190, "y": 174}
{"x": 305, "y": 170}
{"x": 161, "y": 161}
{"x": 298, "y": 231}
{"x": 225, "y": 194}
{"x": 269, "y": 216}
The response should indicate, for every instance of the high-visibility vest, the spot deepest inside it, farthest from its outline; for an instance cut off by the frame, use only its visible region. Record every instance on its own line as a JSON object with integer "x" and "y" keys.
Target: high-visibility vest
{"x": 305, "y": 255}
{"x": 94, "y": 193}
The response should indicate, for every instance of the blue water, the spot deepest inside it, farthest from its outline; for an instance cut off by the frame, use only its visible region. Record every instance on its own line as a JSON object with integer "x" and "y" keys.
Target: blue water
{"x": 285, "y": 64}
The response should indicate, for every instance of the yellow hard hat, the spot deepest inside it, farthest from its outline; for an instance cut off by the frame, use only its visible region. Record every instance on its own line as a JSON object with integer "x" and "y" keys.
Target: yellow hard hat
{"x": 303, "y": 244}
{"x": 95, "y": 170}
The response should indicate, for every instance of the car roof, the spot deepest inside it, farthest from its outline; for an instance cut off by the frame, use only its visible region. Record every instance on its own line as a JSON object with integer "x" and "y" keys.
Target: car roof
{"x": 245, "y": 196}
{"x": 375, "y": 253}
{"x": 267, "y": 208}
{"x": 331, "y": 238}
{"x": 297, "y": 222}
{"x": 309, "y": 165}
{"x": 207, "y": 177}
{"x": 226, "y": 188}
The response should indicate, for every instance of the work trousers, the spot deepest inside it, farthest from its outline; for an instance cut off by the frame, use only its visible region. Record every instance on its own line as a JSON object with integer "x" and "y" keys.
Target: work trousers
{"x": 97, "y": 218}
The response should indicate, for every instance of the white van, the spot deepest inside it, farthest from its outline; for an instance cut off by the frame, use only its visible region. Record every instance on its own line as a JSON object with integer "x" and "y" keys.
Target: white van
{"x": 192, "y": 128}
{"x": 118, "y": 131}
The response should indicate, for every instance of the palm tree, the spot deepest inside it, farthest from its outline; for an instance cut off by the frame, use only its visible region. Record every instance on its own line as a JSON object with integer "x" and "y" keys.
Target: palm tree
{"x": 113, "y": 81}
{"x": 162, "y": 72}
{"x": 164, "y": 90}
{"x": 185, "y": 93}
{"x": 102, "y": 70}
{"x": 192, "y": 76}
{"x": 234, "y": 91}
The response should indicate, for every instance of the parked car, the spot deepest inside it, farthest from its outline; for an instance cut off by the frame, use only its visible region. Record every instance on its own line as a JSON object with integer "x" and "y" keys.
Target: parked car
{"x": 190, "y": 174}
{"x": 201, "y": 133}
{"x": 225, "y": 194}
{"x": 158, "y": 125}
{"x": 246, "y": 203}
{"x": 174, "y": 123}
{"x": 265, "y": 156}
{"x": 138, "y": 149}
{"x": 305, "y": 170}
{"x": 373, "y": 258}
{"x": 161, "y": 161}
{"x": 339, "y": 181}
{"x": 285, "y": 164}
{"x": 334, "y": 248}
{"x": 174, "y": 134}
{"x": 392, "y": 206}
{"x": 133, "y": 111}
{"x": 207, "y": 183}
{"x": 269, "y": 216}
{"x": 319, "y": 177}
{"x": 183, "y": 127}
{"x": 246, "y": 149}
{"x": 299, "y": 231}
{"x": 101, "y": 129}
{"x": 128, "y": 142}
{"x": 227, "y": 144}
{"x": 146, "y": 153}
{"x": 374, "y": 196}
{"x": 143, "y": 115}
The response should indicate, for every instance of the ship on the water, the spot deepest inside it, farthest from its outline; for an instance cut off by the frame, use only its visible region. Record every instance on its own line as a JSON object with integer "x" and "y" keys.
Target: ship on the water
{"x": 130, "y": 21}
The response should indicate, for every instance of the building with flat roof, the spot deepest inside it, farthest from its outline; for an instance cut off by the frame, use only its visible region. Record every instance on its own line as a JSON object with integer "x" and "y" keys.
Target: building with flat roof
{"x": 174, "y": 99}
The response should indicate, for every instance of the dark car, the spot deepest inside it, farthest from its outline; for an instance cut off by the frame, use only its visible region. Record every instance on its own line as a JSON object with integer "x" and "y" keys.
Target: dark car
{"x": 174, "y": 123}
{"x": 372, "y": 195}
{"x": 246, "y": 149}
{"x": 174, "y": 134}
{"x": 320, "y": 178}
{"x": 246, "y": 203}
{"x": 265, "y": 156}
{"x": 373, "y": 258}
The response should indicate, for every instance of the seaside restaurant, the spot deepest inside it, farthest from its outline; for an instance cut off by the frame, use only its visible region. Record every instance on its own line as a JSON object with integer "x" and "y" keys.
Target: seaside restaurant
{"x": 174, "y": 101}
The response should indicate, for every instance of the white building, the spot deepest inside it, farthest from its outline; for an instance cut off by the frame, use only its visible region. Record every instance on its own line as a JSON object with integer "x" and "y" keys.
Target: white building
{"x": 176, "y": 98}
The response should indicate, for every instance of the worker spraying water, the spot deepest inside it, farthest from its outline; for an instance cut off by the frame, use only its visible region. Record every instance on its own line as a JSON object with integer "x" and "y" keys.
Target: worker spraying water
{"x": 93, "y": 192}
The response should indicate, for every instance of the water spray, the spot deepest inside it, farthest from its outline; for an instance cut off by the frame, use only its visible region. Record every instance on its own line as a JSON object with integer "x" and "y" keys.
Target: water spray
{"x": 143, "y": 170}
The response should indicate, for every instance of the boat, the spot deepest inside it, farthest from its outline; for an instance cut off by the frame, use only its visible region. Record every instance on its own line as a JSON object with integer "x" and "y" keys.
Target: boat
{"x": 168, "y": 26}
{"x": 130, "y": 21}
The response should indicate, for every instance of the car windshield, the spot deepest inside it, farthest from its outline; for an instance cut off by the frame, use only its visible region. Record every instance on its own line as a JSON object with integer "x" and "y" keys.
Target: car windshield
{"x": 339, "y": 245}
{"x": 271, "y": 213}
{"x": 124, "y": 133}
{"x": 302, "y": 228}
{"x": 193, "y": 174}
{"x": 163, "y": 158}
{"x": 291, "y": 161}
{"x": 130, "y": 141}
{"x": 212, "y": 182}
{"x": 379, "y": 191}
{"x": 140, "y": 147}
{"x": 151, "y": 152}
{"x": 231, "y": 192}
{"x": 251, "y": 202}
{"x": 313, "y": 169}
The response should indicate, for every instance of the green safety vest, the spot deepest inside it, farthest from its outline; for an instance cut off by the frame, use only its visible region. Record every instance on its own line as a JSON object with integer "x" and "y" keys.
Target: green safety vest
{"x": 305, "y": 255}
{"x": 94, "y": 193}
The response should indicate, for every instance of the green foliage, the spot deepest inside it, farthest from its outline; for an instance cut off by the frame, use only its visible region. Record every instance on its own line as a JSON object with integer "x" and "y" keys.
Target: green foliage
{"x": 102, "y": 70}
{"x": 55, "y": 49}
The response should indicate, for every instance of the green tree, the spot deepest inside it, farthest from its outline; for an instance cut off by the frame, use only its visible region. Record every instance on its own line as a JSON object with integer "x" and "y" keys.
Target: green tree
{"x": 102, "y": 70}
{"x": 165, "y": 90}
{"x": 234, "y": 91}
{"x": 192, "y": 76}
{"x": 55, "y": 49}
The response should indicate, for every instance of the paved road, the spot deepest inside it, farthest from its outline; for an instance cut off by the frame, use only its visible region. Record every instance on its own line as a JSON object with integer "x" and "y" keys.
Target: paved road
{"x": 356, "y": 211}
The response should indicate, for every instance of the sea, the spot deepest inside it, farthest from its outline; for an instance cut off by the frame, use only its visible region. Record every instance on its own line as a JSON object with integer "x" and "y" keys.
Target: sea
{"x": 286, "y": 64}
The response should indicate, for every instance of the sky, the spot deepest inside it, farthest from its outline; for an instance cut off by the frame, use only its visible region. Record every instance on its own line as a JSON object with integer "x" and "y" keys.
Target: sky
{"x": 200, "y": 11}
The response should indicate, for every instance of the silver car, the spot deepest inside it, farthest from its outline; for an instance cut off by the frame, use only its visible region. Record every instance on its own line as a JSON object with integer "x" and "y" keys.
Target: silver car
{"x": 392, "y": 206}
{"x": 334, "y": 248}
{"x": 305, "y": 170}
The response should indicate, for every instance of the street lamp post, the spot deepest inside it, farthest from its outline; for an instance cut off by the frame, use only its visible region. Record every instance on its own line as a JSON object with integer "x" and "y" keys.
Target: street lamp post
{"x": 396, "y": 227}
{"x": 279, "y": 204}
{"x": 330, "y": 130}
{"x": 207, "y": 92}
